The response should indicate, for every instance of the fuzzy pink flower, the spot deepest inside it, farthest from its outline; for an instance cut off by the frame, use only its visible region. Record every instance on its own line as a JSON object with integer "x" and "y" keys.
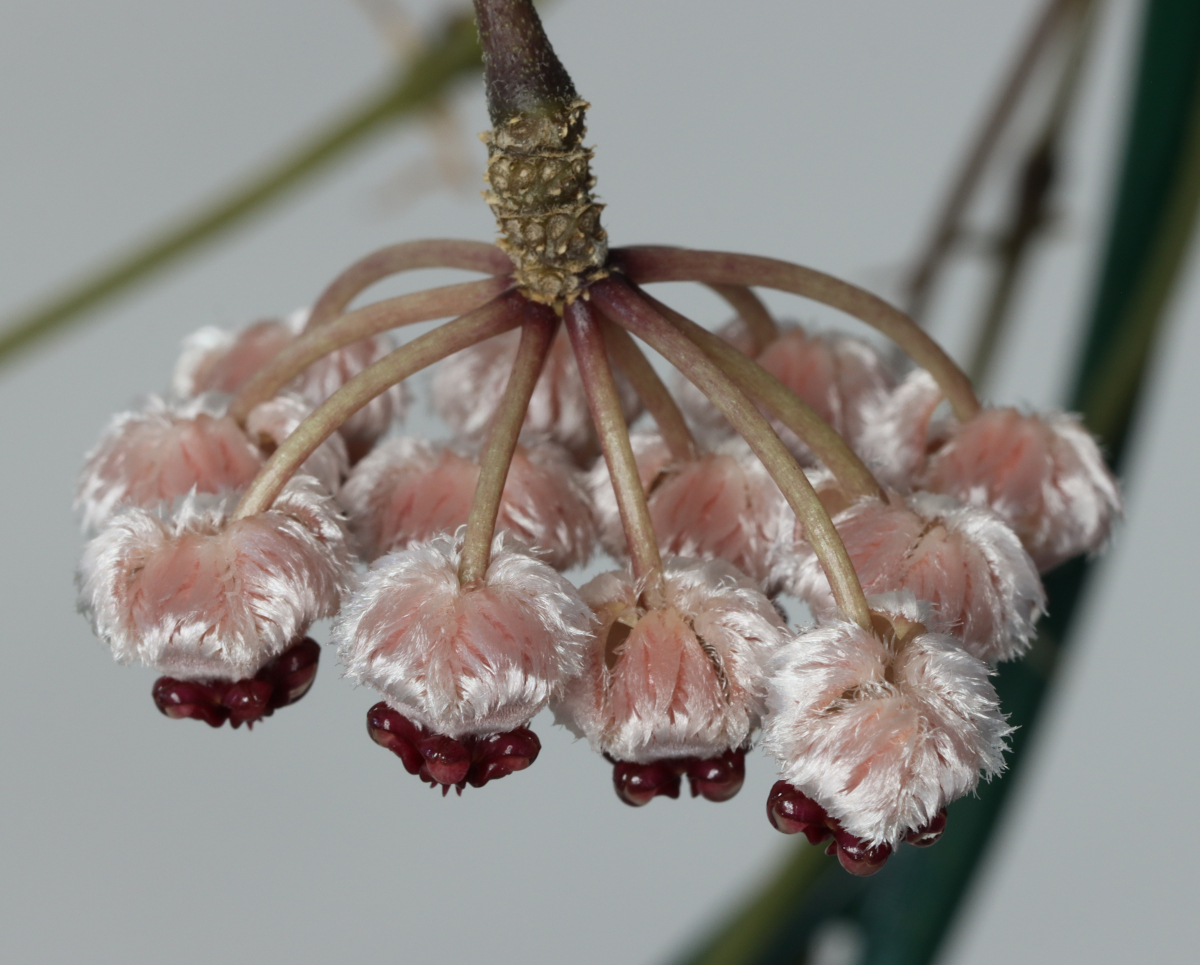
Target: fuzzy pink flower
{"x": 963, "y": 560}
{"x": 1042, "y": 474}
{"x": 409, "y": 490}
{"x": 720, "y": 505}
{"x": 215, "y": 360}
{"x": 840, "y": 376}
{"x": 682, "y": 681}
{"x": 197, "y": 595}
{"x": 271, "y": 422}
{"x": 900, "y": 430}
{"x": 882, "y": 731}
{"x": 162, "y": 452}
{"x": 463, "y": 660}
{"x": 653, "y": 459}
{"x": 468, "y": 386}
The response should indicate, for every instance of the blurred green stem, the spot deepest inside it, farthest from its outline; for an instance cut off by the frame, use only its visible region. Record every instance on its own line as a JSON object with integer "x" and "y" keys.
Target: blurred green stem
{"x": 454, "y": 53}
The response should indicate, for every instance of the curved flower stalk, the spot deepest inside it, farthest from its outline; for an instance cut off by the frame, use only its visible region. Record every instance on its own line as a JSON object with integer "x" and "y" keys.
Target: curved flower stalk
{"x": 879, "y": 715}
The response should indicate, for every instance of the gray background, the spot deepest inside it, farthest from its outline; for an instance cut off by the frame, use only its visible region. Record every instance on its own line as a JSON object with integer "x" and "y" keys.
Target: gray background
{"x": 816, "y": 131}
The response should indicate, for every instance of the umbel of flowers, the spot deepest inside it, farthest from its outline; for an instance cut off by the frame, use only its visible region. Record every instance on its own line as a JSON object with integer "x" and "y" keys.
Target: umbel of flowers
{"x": 269, "y": 489}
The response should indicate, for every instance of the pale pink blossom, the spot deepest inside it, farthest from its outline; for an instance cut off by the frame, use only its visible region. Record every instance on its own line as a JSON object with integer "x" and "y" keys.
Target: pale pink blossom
{"x": 409, "y": 490}
{"x": 162, "y": 452}
{"x": 197, "y": 595}
{"x": 901, "y": 428}
{"x": 461, "y": 660}
{"x": 271, "y": 422}
{"x": 842, "y": 377}
{"x": 685, "y": 680}
{"x": 707, "y": 424}
{"x": 468, "y": 386}
{"x": 653, "y": 458}
{"x": 1043, "y": 474}
{"x": 719, "y": 505}
{"x": 215, "y": 360}
{"x": 882, "y": 730}
{"x": 963, "y": 560}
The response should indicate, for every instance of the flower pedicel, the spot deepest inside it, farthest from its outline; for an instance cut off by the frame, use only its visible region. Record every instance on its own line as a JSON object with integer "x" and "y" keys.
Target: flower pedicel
{"x": 219, "y": 542}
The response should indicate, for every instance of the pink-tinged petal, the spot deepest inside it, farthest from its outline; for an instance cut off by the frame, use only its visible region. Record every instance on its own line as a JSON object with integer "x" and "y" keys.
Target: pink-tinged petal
{"x": 468, "y": 386}
{"x": 682, "y": 681}
{"x": 900, "y": 429}
{"x": 463, "y": 660}
{"x": 197, "y": 595}
{"x": 409, "y": 490}
{"x": 882, "y": 733}
{"x": 964, "y": 561}
{"x": 843, "y": 378}
{"x": 161, "y": 453}
{"x": 720, "y": 505}
{"x": 1043, "y": 474}
{"x": 218, "y": 360}
{"x": 214, "y": 360}
{"x": 271, "y": 422}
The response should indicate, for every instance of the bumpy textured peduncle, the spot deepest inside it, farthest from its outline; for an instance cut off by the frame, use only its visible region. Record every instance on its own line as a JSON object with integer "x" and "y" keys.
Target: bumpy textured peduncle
{"x": 538, "y": 170}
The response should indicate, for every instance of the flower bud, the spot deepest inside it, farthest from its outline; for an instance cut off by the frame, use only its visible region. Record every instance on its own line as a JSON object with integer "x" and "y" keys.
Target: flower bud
{"x": 684, "y": 681}
{"x": 964, "y": 561}
{"x": 1042, "y": 474}
{"x": 882, "y": 729}
{"x": 200, "y": 596}
{"x": 463, "y": 660}
{"x": 409, "y": 490}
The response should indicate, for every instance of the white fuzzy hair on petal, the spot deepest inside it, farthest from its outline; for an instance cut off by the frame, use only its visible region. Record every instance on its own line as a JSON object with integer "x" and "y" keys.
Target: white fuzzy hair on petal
{"x": 215, "y": 360}
{"x": 683, "y": 680}
{"x": 161, "y": 452}
{"x": 899, "y": 430}
{"x": 197, "y": 595}
{"x": 882, "y": 740}
{"x": 845, "y": 379}
{"x": 964, "y": 560}
{"x": 463, "y": 660}
{"x": 328, "y": 374}
{"x": 1042, "y": 473}
{"x": 409, "y": 490}
{"x": 468, "y": 386}
{"x": 271, "y": 422}
{"x": 652, "y": 458}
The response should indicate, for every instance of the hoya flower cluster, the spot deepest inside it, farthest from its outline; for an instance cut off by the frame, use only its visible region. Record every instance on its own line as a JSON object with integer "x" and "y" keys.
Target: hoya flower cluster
{"x": 273, "y": 486}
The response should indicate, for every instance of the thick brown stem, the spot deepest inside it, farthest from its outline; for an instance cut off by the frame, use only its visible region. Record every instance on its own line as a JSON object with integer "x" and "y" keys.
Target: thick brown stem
{"x": 782, "y": 403}
{"x": 588, "y": 344}
{"x": 655, "y": 396}
{"x": 497, "y": 316}
{"x": 646, "y": 265}
{"x": 409, "y": 256}
{"x": 625, "y": 306}
{"x": 362, "y": 323}
{"x": 536, "y": 336}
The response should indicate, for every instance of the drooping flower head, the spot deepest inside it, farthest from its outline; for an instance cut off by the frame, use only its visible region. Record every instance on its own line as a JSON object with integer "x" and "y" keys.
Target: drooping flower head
{"x": 162, "y": 452}
{"x": 216, "y": 360}
{"x": 1043, "y": 474}
{"x": 463, "y": 660}
{"x": 409, "y": 490}
{"x": 964, "y": 561}
{"x": 720, "y": 505}
{"x": 198, "y": 595}
{"x": 882, "y": 729}
{"x": 682, "y": 680}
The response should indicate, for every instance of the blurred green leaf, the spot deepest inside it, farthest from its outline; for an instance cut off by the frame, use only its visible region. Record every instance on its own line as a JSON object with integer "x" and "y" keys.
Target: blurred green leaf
{"x": 452, "y": 54}
{"x": 904, "y": 911}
